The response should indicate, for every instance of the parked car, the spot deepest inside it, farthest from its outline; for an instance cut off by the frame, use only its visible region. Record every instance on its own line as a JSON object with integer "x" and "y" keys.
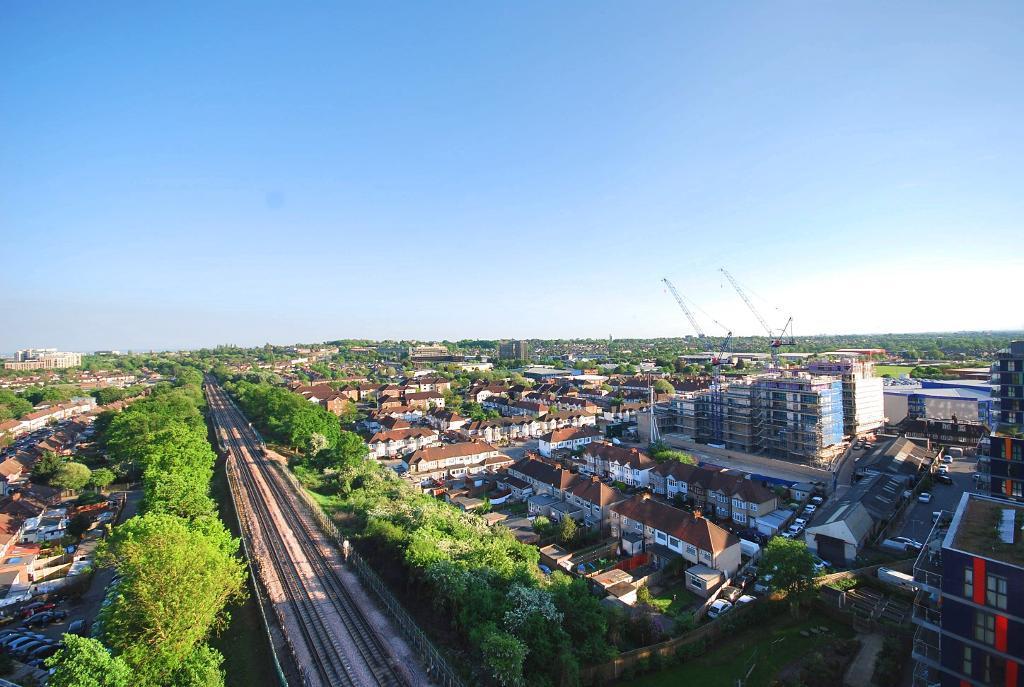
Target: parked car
{"x": 947, "y": 459}
{"x": 800, "y": 522}
{"x": 943, "y": 478}
{"x": 820, "y": 565}
{"x": 29, "y": 609}
{"x": 810, "y": 508}
{"x": 745, "y": 580}
{"x": 731, "y": 593}
{"x": 745, "y": 599}
{"x": 817, "y": 501}
{"x": 77, "y": 627}
{"x": 924, "y": 497}
{"x": 719, "y": 607}
{"x": 907, "y": 541}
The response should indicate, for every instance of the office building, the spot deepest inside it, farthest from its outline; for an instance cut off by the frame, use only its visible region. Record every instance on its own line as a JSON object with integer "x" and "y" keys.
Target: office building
{"x": 969, "y": 607}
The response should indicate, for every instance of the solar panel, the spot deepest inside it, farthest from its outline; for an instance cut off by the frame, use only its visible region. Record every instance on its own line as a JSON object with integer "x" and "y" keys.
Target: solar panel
{"x": 1006, "y": 526}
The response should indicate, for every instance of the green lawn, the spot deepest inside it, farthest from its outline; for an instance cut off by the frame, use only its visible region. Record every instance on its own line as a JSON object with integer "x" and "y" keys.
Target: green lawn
{"x": 770, "y": 647}
{"x": 893, "y": 371}
{"x": 683, "y": 600}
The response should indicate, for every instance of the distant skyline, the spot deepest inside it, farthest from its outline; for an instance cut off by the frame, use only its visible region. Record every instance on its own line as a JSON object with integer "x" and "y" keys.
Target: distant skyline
{"x": 181, "y": 176}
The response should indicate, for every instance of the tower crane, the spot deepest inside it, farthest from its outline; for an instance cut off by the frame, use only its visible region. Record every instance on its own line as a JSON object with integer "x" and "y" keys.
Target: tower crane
{"x": 716, "y": 363}
{"x": 784, "y": 337}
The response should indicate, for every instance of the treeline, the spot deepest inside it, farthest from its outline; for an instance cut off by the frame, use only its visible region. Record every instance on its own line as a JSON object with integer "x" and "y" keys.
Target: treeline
{"x": 178, "y": 565}
{"x": 521, "y": 628}
{"x": 284, "y": 417}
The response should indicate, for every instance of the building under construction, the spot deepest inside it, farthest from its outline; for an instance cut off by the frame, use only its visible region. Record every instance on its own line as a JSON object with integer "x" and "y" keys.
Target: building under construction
{"x": 794, "y": 416}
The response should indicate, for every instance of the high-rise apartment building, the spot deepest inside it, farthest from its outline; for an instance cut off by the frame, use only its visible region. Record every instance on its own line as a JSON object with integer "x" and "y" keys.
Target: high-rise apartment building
{"x": 1006, "y": 442}
{"x": 792, "y": 416}
{"x": 863, "y": 393}
{"x": 969, "y": 608}
{"x": 514, "y": 350}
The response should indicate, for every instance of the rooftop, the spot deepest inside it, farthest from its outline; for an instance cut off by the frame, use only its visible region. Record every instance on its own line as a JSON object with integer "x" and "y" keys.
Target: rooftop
{"x": 980, "y": 529}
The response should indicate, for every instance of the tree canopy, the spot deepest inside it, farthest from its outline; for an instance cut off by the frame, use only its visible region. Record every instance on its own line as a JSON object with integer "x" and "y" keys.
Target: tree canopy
{"x": 790, "y": 564}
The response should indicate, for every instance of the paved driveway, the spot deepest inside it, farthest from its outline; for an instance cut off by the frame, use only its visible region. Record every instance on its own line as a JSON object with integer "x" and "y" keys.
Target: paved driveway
{"x": 918, "y": 521}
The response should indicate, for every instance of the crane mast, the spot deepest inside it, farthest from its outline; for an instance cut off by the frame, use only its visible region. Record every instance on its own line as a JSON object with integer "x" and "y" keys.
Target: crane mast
{"x": 682, "y": 306}
{"x": 774, "y": 340}
{"x": 716, "y": 367}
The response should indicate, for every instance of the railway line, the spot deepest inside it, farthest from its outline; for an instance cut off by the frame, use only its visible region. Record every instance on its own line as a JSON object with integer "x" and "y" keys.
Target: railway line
{"x": 333, "y": 633}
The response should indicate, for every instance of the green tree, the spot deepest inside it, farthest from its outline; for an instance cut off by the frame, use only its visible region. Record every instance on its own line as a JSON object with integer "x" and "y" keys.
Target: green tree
{"x": 176, "y": 579}
{"x": 102, "y": 478}
{"x": 71, "y": 476}
{"x": 504, "y": 655}
{"x": 350, "y": 449}
{"x": 85, "y": 662}
{"x": 790, "y": 564}
{"x": 47, "y": 466}
{"x": 567, "y": 531}
{"x": 663, "y": 386}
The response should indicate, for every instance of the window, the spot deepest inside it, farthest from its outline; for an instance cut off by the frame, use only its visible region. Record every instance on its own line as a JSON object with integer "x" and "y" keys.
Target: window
{"x": 968, "y": 583}
{"x": 674, "y": 542}
{"x": 737, "y": 503}
{"x": 995, "y": 591}
{"x": 984, "y": 627}
{"x": 692, "y": 550}
{"x": 660, "y": 537}
{"x": 968, "y": 655}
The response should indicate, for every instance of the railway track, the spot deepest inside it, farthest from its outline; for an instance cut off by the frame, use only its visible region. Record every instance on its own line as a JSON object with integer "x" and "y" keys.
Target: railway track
{"x": 296, "y": 544}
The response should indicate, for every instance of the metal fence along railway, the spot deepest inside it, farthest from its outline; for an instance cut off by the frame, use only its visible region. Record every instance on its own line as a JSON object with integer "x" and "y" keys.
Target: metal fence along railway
{"x": 306, "y": 573}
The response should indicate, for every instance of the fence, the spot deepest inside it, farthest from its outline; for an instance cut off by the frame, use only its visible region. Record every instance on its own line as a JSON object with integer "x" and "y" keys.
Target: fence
{"x": 612, "y": 670}
{"x": 435, "y": 663}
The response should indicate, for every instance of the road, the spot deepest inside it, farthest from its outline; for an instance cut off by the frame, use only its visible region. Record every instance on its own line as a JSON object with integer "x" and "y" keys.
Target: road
{"x": 335, "y": 635}
{"x": 918, "y": 520}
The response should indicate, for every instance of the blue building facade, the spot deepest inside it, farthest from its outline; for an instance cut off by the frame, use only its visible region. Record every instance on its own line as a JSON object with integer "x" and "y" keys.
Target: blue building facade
{"x": 970, "y": 606}
{"x": 1006, "y": 443}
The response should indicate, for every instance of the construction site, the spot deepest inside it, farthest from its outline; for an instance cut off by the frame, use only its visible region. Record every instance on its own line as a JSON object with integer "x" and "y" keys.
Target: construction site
{"x": 800, "y": 415}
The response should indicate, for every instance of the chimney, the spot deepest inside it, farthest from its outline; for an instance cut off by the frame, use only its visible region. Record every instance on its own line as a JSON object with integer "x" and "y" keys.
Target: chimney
{"x": 697, "y": 515}
{"x": 15, "y": 495}
{"x": 645, "y": 495}
{"x": 593, "y": 478}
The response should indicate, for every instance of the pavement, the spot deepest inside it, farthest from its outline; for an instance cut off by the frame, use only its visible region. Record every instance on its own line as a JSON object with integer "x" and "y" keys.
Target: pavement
{"x": 917, "y": 521}
{"x": 862, "y": 667}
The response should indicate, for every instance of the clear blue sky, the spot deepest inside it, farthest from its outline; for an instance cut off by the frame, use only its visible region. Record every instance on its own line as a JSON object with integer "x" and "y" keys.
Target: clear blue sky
{"x": 198, "y": 173}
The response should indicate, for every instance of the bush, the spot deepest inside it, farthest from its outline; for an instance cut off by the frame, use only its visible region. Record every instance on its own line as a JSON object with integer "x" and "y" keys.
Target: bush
{"x": 889, "y": 664}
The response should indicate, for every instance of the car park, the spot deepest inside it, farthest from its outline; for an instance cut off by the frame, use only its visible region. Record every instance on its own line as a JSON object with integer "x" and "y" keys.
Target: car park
{"x": 924, "y": 497}
{"x": 718, "y": 608}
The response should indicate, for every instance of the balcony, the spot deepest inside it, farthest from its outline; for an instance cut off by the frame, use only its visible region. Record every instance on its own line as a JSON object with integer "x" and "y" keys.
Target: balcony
{"x": 926, "y": 646}
{"x": 927, "y": 609}
{"x": 928, "y": 566}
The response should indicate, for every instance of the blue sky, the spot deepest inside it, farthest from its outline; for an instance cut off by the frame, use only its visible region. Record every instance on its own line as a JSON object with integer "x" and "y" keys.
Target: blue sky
{"x": 187, "y": 174}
